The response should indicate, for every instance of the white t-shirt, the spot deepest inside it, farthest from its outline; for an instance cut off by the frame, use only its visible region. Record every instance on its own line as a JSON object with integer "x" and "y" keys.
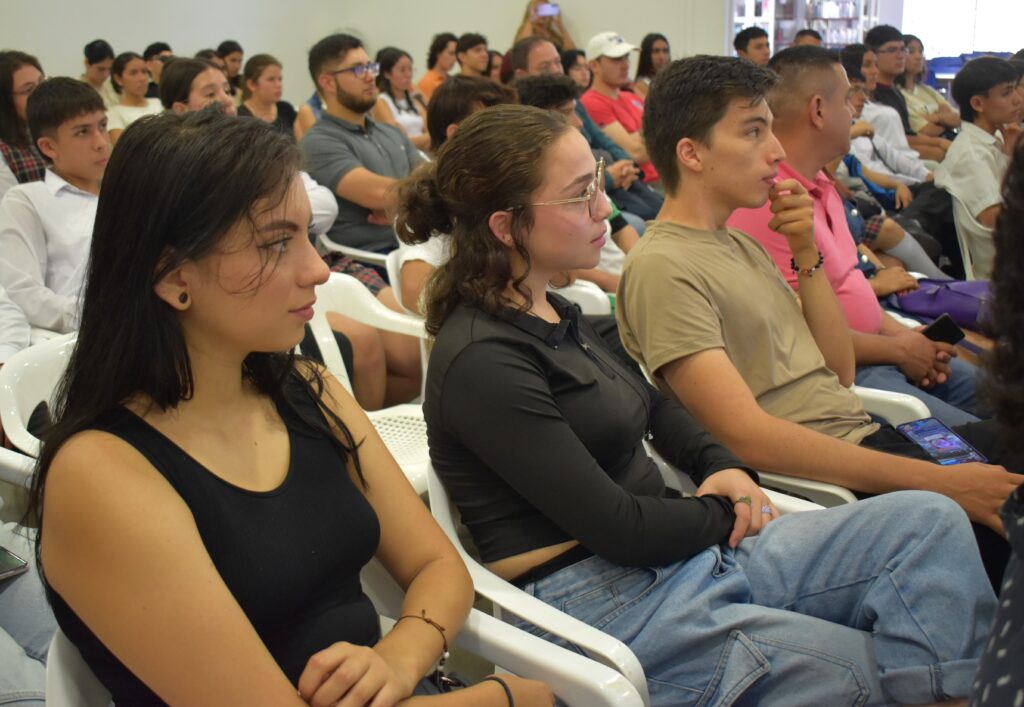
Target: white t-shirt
{"x": 973, "y": 168}
{"x": 405, "y": 114}
{"x": 121, "y": 116}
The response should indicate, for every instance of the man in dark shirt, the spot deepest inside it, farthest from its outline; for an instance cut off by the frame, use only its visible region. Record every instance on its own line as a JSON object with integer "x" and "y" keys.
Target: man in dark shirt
{"x": 471, "y": 51}
{"x": 156, "y": 55}
{"x": 887, "y": 43}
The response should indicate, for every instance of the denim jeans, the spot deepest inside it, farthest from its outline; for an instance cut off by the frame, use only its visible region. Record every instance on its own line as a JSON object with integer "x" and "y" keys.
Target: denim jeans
{"x": 954, "y": 402}
{"x": 26, "y": 627}
{"x": 877, "y": 602}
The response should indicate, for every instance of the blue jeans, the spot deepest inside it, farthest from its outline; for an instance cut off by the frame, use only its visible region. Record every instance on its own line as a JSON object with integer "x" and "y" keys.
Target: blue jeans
{"x": 635, "y": 221}
{"x": 26, "y": 627}
{"x": 954, "y": 402}
{"x": 880, "y": 601}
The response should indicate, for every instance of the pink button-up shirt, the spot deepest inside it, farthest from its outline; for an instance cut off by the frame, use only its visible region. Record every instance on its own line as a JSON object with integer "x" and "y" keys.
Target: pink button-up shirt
{"x": 833, "y": 239}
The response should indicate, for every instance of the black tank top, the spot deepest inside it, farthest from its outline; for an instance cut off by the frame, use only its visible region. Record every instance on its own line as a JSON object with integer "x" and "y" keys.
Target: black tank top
{"x": 291, "y": 557}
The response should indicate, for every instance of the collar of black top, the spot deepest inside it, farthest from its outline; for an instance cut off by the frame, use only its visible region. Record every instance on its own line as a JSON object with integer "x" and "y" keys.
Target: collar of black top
{"x": 550, "y": 334}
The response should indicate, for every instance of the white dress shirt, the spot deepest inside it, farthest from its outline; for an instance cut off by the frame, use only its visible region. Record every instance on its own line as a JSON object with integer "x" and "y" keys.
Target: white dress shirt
{"x": 888, "y": 124}
{"x": 7, "y": 179}
{"x": 880, "y": 155}
{"x": 973, "y": 168}
{"x": 45, "y": 234}
{"x": 322, "y": 203}
{"x": 15, "y": 332}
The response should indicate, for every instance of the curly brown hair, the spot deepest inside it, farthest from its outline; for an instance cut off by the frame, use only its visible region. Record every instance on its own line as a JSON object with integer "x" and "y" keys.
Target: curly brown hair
{"x": 1006, "y": 365}
{"x": 493, "y": 162}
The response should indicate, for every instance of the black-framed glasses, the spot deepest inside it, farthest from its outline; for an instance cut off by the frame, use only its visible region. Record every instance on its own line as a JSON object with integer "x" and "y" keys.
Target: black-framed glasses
{"x": 892, "y": 50}
{"x": 359, "y": 70}
{"x": 594, "y": 191}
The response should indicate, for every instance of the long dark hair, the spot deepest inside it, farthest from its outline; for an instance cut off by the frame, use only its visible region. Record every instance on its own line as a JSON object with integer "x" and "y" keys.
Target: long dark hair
{"x": 387, "y": 58}
{"x": 457, "y": 194}
{"x": 905, "y": 80}
{"x": 212, "y": 171}
{"x": 645, "y": 66}
{"x": 1006, "y": 381}
{"x": 13, "y": 130}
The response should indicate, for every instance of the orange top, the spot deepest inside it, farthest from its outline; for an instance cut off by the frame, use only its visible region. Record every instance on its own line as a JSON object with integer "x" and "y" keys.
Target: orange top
{"x": 430, "y": 81}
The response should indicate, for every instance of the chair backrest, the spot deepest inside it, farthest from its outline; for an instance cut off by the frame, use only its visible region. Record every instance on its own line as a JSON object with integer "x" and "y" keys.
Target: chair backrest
{"x": 16, "y": 468}
{"x": 28, "y": 378}
{"x": 367, "y": 257}
{"x": 69, "y": 681}
{"x": 976, "y": 244}
{"x": 393, "y": 265}
{"x": 591, "y": 298}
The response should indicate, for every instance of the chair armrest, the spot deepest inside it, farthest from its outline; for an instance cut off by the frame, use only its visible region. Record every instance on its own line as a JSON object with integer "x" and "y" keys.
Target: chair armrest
{"x": 894, "y": 408}
{"x": 822, "y": 494}
{"x": 575, "y": 679}
{"x": 358, "y": 254}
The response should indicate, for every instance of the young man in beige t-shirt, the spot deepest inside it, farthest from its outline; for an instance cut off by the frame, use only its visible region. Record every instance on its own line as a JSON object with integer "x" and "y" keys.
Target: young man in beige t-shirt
{"x": 705, "y": 310}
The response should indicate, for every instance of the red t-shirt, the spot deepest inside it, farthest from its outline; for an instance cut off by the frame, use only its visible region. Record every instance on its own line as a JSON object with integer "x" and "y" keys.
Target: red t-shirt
{"x": 628, "y": 110}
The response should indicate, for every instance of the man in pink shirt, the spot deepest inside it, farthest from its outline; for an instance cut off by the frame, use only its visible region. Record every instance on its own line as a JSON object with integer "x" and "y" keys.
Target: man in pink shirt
{"x": 812, "y": 124}
{"x": 619, "y": 113}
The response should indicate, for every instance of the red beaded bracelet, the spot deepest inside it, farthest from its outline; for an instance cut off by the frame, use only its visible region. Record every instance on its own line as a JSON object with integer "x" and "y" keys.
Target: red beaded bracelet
{"x": 809, "y": 272}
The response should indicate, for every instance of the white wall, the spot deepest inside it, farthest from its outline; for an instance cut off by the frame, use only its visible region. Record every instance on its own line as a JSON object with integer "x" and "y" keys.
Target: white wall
{"x": 57, "y": 30}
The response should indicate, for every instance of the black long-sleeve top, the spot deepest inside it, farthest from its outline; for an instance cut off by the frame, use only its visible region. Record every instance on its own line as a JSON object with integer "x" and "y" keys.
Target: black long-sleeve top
{"x": 537, "y": 433}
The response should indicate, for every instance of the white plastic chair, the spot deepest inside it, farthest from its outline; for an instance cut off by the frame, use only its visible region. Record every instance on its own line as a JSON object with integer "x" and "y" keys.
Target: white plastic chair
{"x": 505, "y": 596}
{"x": 591, "y": 298}
{"x": 401, "y": 427}
{"x": 575, "y": 679}
{"x": 28, "y": 378}
{"x": 976, "y": 244}
{"x": 16, "y": 468}
{"x": 38, "y": 335}
{"x": 367, "y": 257}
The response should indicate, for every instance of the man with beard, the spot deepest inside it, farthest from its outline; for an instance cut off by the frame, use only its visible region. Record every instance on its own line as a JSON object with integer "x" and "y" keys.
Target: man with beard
{"x": 346, "y": 151}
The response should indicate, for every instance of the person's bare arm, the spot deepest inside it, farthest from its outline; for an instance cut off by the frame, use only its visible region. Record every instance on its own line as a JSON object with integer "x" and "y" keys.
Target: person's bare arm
{"x": 382, "y": 114}
{"x": 414, "y": 275}
{"x": 304, "y": 121}
{"x": 369, "y": 190}
{"x": 626, "y": 237}
{"x": 987, "y": 218}
{"x": 632, "y": 143}
{"x": 712, "y": 389}
{"x": 602, "y": 278}
{"x": 793, "y": 218}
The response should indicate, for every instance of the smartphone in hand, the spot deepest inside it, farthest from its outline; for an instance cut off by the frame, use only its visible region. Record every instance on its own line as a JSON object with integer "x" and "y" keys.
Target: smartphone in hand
{"x": 944, "y": 329}
{"x": 10, "y": 564}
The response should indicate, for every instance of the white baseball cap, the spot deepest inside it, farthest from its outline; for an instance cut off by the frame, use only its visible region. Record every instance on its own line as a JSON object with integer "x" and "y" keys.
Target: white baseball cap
{"x": 610, "y": 44}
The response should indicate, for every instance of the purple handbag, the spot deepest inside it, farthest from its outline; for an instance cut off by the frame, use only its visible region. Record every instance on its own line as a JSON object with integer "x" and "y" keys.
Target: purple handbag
{"x": 965, "y": 301}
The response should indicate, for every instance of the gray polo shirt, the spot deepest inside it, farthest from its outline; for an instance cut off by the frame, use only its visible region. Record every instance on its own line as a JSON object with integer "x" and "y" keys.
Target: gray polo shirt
{"x": 333, "y": 147}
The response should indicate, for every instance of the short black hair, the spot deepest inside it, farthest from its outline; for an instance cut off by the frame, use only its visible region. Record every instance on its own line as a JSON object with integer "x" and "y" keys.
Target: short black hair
{"x": 689, "y": 98}
{"x": 976, "y": 78}
{"x": 155, "y": 48}
{"x": 228, "y": 46}
{"x": 1019, "y": 56}
{"x": 207, "y": 54}
{"x": 57, "y": 101}
{"x": 438, "y": 44}
{"x": 795, "y": 67}
{"x": 852, "y": 58}
{"x": 1018, "y": 64}
{"x": 521, "y": 51}
{"x": 548, "y": 91}
{"x": 329, "y": 49}
{"x": 468, "y": 41}
{"x": 569, "y": 57}
{"x": 98, "y": 50}
{"x": 455, "y": 99}
{"x": 882, "y": 34}
{"x": 176, "y": 80}
{"x": 745, "y": 36}
{"x": 808, "y": 32}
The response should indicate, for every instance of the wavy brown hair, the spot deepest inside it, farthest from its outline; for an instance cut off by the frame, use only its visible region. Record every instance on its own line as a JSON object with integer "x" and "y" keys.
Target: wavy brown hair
{"x": 1006, "y": 366}
{"x": 493, "y": 162}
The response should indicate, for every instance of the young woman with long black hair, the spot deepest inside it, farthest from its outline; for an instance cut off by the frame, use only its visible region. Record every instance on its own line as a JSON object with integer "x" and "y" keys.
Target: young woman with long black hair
{"x": 206, "y": 500}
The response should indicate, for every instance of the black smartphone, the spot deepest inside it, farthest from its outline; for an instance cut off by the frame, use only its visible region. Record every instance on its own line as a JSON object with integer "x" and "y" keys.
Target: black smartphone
{"x": 944, "y": 329}
{"x": 941, "y": 443}
{"x": 10, "y": 564}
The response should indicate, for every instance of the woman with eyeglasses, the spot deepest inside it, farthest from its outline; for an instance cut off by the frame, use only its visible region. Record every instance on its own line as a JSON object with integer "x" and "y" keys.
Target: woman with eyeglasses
{"x": 930, "y": 113}
{"x": 20, "y": 73}
{"x": 538, "y": 433}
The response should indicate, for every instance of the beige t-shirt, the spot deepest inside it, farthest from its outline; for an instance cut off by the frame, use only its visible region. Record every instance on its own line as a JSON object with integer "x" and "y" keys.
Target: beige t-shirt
{"x": 685, "y": 290}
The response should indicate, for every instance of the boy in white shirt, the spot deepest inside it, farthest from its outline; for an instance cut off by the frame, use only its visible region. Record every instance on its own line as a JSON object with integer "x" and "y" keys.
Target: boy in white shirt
{"x": 46, "y": 227}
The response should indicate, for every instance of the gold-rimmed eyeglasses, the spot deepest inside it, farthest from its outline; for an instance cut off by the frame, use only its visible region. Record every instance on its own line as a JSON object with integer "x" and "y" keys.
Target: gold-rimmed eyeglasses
{"x": 591, "y": 196}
